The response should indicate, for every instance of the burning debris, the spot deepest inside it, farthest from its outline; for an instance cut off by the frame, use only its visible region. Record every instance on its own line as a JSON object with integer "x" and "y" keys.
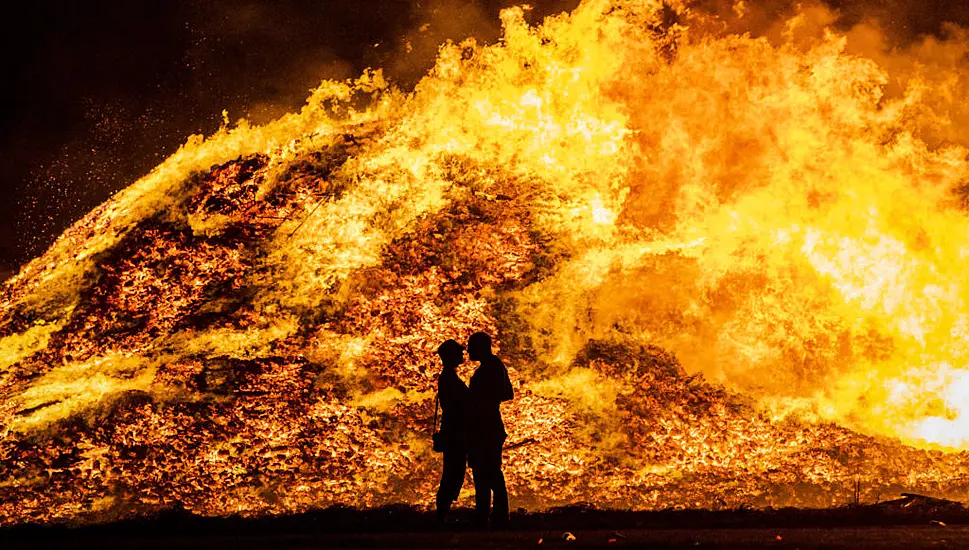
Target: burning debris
{"x": 250, "y": 329}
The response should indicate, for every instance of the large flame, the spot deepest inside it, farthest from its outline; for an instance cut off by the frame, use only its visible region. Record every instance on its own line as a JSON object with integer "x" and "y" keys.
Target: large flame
{"x": 784, "y": 213}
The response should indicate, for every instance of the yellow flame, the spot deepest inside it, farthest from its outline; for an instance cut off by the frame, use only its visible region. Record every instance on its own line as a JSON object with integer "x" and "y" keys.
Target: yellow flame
{"x": 780, "y": 212}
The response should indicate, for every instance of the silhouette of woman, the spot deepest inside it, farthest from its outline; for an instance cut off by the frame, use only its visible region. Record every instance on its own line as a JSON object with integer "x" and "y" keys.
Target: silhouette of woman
{"x": 453, "y": 394}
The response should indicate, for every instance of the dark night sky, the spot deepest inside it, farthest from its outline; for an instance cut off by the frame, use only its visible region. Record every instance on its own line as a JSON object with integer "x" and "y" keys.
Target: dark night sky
{"x": 97, "y": 92}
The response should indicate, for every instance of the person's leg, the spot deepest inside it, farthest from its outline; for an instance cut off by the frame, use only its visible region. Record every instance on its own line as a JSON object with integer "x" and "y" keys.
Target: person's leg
{"x": 443, "y": 500}
{"x": 452, "y": 478}
{"x": 499, "y": 515}
{"x": 482, "y": 488}
{"x": 460, "y": 472}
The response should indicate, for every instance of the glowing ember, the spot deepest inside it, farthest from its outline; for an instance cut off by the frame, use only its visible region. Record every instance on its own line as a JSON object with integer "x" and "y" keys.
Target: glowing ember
{"x": 610, "y": 194}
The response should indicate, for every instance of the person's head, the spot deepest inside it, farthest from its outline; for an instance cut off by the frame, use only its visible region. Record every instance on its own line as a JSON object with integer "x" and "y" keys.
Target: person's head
{"x": 451, "y": 353}
{"x": 479, "y": 346}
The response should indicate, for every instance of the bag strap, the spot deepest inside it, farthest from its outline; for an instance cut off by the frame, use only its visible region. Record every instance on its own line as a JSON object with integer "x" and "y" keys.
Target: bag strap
{"x": 437, "y": 404}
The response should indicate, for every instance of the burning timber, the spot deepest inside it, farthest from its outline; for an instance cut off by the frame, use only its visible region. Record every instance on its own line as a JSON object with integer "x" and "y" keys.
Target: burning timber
{"x": 250, "y": 329}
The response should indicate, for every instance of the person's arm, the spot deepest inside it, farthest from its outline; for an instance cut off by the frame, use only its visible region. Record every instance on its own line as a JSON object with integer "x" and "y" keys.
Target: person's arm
{"x": 488, "y": 385}
{"x": 507, "y": 391}
{"x": 444, "y": 393}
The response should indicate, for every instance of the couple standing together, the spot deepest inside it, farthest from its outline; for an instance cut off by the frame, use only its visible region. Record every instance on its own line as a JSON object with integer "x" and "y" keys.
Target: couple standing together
{"x": 472, "y": 431}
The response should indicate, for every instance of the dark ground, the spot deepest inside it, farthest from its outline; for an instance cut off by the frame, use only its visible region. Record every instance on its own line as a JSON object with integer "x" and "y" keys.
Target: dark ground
{"x": 911, "y": 522}
{"x": 908, "y": 537}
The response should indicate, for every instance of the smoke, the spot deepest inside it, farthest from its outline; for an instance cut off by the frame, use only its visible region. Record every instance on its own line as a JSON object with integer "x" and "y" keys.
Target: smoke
{"x": 917, "y": 45}
{"x": 436, "y": 22}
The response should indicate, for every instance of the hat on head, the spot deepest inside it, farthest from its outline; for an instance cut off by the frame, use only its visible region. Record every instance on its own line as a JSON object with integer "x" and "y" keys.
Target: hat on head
{"x": 448, "y": 347}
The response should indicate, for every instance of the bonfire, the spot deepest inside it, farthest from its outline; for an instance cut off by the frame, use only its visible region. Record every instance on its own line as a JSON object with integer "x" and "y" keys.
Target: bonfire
{"x": 723, "y": 269}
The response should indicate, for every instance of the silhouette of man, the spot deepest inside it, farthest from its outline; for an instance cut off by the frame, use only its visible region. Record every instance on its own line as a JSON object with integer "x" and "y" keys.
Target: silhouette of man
{"x": 490, "y": 386}
{"x": 453, "y": 394}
